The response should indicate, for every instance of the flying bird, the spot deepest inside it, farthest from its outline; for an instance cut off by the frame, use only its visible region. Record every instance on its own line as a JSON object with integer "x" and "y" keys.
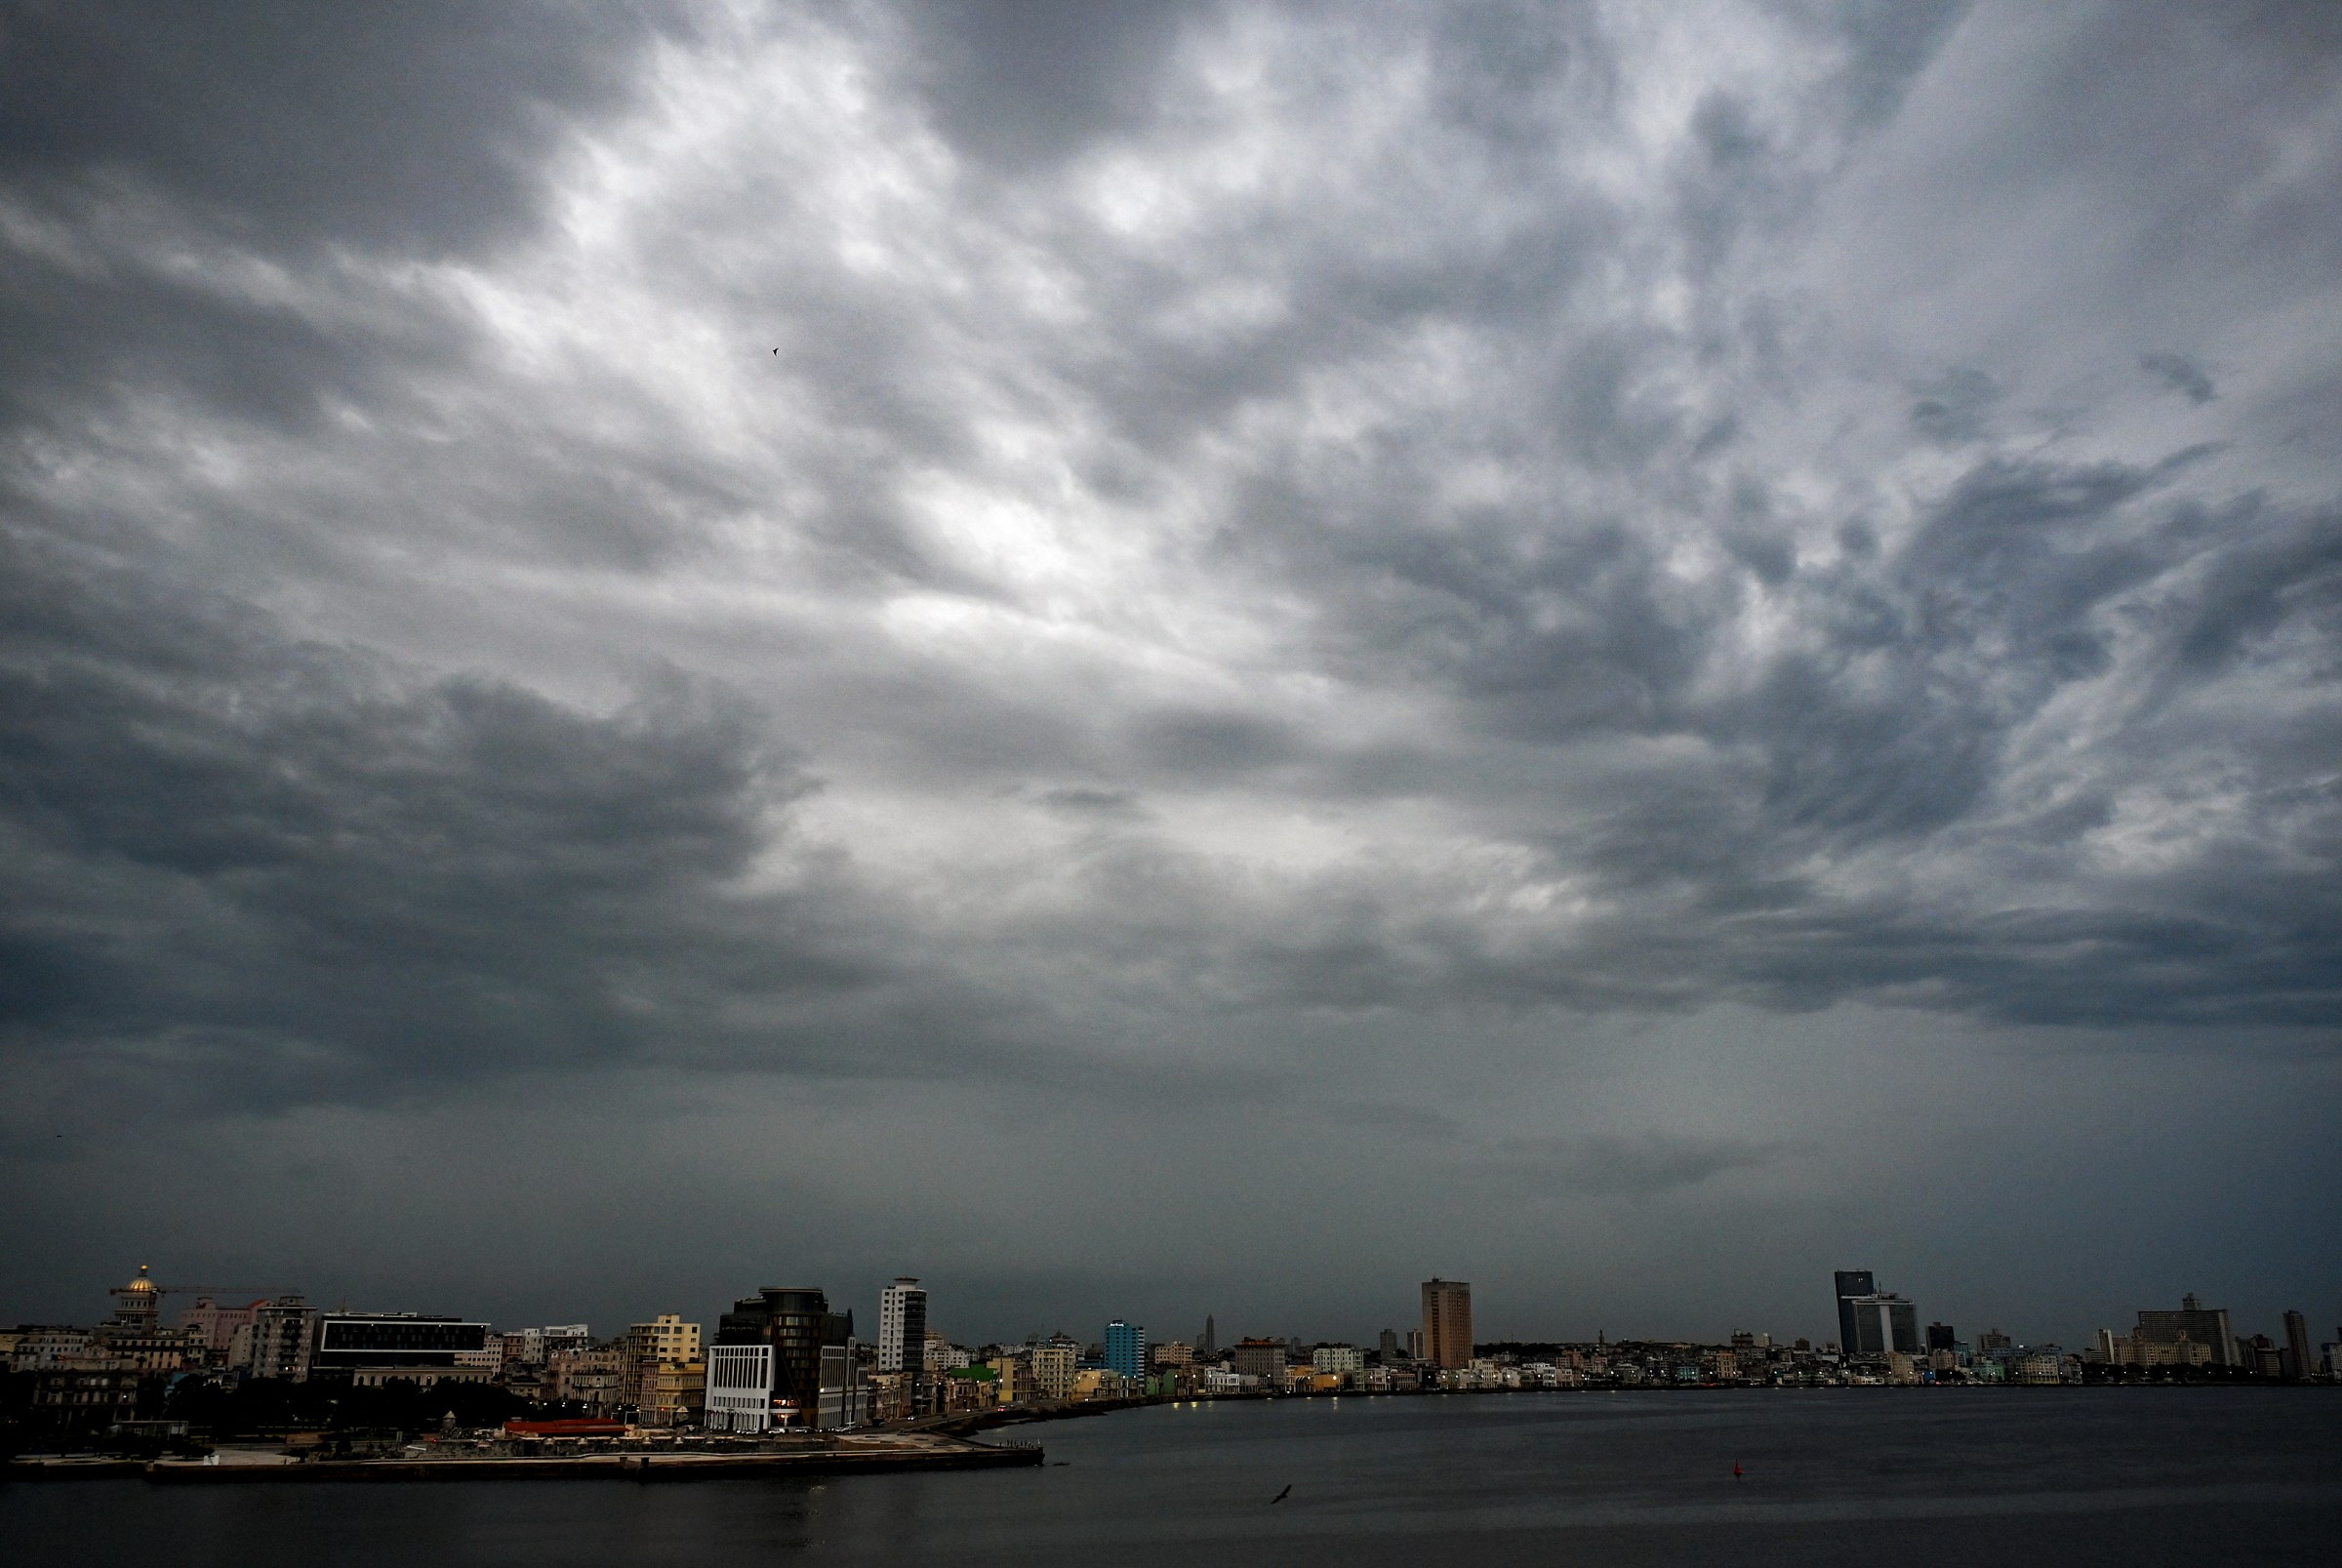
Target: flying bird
{"x": 1281, "y": 1496}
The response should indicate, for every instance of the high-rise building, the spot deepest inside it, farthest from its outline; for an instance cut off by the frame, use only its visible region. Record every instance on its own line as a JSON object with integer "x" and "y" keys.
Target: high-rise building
{"x": 1388, "y": 1347}
{"x": 2298, "y": 1361}
{"x": 1053, "y": 1367}
{"x": 902, "y": 1327}
{"x": 1850, "y": 1283}
{"x": 276, "y": 1342}
{"x": 1885, "y": 1324}
{"x": 1448, "y": 1322}
{"x": 781, "y": 1358}
{"x": 665, "y": 1340}
{"x": 1939, "y": 1337}
{"x": 1126, "y": 1348}
{"x": 2194, "y": 1322}
{"x": 1208, "y": 1346}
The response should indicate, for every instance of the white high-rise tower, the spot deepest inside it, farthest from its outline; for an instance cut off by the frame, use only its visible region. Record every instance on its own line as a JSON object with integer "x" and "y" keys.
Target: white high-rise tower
{"x": 902, "y": 1327}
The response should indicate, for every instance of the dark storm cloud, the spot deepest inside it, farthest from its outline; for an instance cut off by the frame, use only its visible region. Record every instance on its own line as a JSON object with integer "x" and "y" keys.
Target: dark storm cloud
{"x": 246, "y": 862}
{"x": 418, "y": 125}
{"x": 1019, "y": 82}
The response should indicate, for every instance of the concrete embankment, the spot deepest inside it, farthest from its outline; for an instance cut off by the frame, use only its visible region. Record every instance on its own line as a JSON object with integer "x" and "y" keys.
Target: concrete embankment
{"x": 620, "y": 1466}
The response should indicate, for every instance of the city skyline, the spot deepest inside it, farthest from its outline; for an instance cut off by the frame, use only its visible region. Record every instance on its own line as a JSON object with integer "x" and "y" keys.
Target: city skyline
{"x": 1149, "y": 660}
{"x": 879, "y": 1326}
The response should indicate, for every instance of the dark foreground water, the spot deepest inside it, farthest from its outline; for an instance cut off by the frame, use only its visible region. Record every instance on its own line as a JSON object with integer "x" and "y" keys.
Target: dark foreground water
{"x": 1905, "y": 1477}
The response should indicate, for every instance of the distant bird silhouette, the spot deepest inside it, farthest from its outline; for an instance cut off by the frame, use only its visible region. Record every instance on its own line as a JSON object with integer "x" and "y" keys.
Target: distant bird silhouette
{"x": 776, "y": 351}
{"x": 1281, "y": 1496}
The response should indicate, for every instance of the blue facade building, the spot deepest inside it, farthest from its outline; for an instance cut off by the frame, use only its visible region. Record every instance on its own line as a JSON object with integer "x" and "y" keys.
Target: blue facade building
{"x": 1126, "y": 1348}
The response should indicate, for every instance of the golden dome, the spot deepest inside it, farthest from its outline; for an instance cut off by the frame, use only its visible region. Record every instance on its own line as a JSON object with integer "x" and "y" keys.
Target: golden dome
{"x": 141, "y": 1282}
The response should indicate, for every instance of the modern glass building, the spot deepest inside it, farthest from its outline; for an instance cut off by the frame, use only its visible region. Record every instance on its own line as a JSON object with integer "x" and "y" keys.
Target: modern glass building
{"x": 343, "y": 1342}
{"x": 800, "y": 1373}
{"x": 1850, "y": 1283}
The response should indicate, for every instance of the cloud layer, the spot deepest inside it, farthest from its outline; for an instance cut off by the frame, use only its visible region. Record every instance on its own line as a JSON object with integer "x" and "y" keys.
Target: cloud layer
{"x": 1162, "y": 562}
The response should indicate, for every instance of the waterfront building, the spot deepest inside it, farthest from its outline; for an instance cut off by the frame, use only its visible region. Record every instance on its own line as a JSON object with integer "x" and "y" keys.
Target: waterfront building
{"x": 1344, "y": 1363}
{"x": 1885, "y": 1324}
{"x": 595, "y": 1378}
{"x": 671, "y": 1393}
{"x": 783, "y": 1360}
{"x": 1053, "y": 1367}
{"x": 1448, "y": 1322}
{"x": 2299, "y": 1364}
{"x": 1126, "y": 1350}
{"x": 665, "y": 1340}
{"x": 276, "y": 1342}
{"x": 393, "y": 1343}
{"x": 2193, "y": 1321}
{"x": 902, "y": 1327}
{"x": 1850, "y": 1283}
{"x": 1388, "y": 1347}
{"x": 1941, "y": 1337}
{"x": 1013, "y": 1380}
{"x": 1171, "y": 1354}
{"x": 1264, "y": 1359}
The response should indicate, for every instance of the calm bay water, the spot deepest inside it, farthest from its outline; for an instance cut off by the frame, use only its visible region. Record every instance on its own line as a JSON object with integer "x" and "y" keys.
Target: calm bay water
{"x": 1938, "y": 1476}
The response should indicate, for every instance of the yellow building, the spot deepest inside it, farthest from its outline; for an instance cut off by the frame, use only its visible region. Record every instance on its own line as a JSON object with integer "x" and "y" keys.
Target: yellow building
{"x": 671, "y": 1393}
{"x": 664, "y": 1339}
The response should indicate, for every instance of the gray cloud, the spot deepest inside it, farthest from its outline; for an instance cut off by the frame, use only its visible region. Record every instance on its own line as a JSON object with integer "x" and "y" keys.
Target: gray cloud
{"x": 2182, "y": 375}
{"x": 1309, "y": 571}
{"x": 1611, "y": 1165}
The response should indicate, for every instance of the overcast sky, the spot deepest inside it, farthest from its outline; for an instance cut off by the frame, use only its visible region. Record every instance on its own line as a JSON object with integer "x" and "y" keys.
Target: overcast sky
{"x": 1174, "y": 659}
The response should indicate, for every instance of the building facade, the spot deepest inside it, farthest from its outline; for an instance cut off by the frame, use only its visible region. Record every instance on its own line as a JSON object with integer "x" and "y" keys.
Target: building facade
{"x": 806, "y": 1376}
{"x": 1849, "y": 1284}
{"x": 1885, "y": 1324}
{"x": 1126, "y": 1348}
{"x": 902, "y": 1327}
{"x": 1447, "y": 1323}
{"x": 345, "y": 1343}
{"x": 2194, "y": 1322}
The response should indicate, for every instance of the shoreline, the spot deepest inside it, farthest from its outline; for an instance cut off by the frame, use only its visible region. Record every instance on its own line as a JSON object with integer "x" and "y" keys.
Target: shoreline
{"x": 643, "y": 1468}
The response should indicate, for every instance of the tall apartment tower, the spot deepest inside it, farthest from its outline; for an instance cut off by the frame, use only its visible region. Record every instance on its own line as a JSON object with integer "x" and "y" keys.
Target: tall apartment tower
{"x": 1126, "y": 1348}
{"x": 1448, "y": 1322}
{"x": 2298, "y": 1364}
{"x": 1209, "y": 1345}
{"x": 902, "y": 1327}
{"x": 1851, "y": 1282}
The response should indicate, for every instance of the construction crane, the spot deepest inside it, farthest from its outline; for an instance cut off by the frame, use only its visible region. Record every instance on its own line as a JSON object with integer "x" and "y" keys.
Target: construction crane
{"x": 215, "y": 1292}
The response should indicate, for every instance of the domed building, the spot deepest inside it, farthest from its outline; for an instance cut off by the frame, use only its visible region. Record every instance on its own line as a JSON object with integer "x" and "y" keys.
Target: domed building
{"x": 139, "y": 1303}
